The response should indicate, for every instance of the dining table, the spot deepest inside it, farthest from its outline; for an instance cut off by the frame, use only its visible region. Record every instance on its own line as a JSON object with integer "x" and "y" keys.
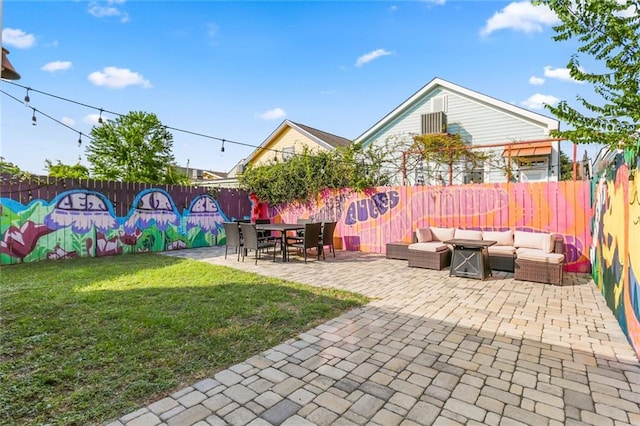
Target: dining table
{"x": 283, "y": 228}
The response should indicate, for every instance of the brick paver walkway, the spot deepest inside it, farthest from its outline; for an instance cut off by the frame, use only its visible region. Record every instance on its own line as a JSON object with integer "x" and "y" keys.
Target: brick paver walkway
{"x": 429, "y": 349}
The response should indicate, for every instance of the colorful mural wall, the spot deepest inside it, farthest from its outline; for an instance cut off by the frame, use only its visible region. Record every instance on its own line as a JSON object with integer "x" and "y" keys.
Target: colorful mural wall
{"x": 83, "y": 222}
{"x": 615, "y": 251}
{"x": 367, "y": 221}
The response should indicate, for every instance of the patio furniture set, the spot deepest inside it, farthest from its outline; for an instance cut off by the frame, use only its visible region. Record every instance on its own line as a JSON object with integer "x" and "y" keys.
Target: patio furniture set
{"x": 258, "y": 237}
{"x": 531, "y": 256}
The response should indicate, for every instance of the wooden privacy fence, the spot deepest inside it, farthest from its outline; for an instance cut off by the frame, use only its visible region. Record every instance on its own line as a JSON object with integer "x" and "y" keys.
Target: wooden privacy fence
{"x": 51, "y": 218}
{"x": 368, "y": 220}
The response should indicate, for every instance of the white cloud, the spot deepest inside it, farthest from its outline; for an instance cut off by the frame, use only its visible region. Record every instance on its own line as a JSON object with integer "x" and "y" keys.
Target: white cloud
{"x": 538, "y": 101}
{"x": 108, "y": 9}
{"x": 536, "y": 81}
{"x": 368, "y": 57}
{"x": 273, "y": 114}
{"x": 560, "y": 74}
{"x": 521, "y": 16}
{"x": 91, "y": 119}
{"x": 56, "y": 66}
{"x": 17, "y": 38}
{"x": 629, "y": 12}
{"x": 118, "y": 78}
{"x": 434, "y": 1}
{"x": 393, "y": 8}
{"x": 68, "y": 121}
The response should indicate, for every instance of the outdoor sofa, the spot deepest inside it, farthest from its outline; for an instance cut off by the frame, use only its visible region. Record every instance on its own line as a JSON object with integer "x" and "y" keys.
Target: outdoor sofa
{"x": 531, "y": 256}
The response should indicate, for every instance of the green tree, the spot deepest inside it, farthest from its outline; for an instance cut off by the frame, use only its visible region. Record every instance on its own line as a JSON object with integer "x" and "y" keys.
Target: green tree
{"x": 9, "y": 168}
{"x": 60, "y": 170}
{"x": 133, "y": 148}
{"x": 303, "y": 176}
{"x": 566, "y": 167}
{"x": 609, "y": 32}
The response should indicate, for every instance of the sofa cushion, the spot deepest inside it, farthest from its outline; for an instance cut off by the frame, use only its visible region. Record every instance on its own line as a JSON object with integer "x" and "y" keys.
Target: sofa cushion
{"x": 442, "y": 234}
{"x": 502, "y": 238}
{"x": 467, "y": 234}
{"x": 541, "y": 256}
{"x": 534, "y": 240}
{"x": 433, "y": 246}
{"x": 502, "y": 250}
{"x": 423, "y": 235}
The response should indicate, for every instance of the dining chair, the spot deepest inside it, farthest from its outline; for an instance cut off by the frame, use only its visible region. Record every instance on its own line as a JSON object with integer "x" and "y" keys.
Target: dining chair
{"x": 326, "y": 239}
{"x": 309, "y": 241}
{"x": 300, "y": 232}
{"x": 263, "y": 234}
{"x": 251, "y": 241}
{"x": 232, "y": 232}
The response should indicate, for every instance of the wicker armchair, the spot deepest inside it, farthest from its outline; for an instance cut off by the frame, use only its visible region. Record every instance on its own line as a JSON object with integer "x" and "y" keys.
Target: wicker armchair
{"x": 540, "y": 271}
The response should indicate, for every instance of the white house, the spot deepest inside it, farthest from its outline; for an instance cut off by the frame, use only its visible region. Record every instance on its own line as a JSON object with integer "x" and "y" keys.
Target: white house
{"x": 517, "y": 140}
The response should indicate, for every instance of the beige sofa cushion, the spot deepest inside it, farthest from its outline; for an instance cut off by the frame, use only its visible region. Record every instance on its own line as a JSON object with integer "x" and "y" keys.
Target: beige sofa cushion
{"x": 502, "y": 238}
{"x": 423, "y": 235}
{"x": 468, "y": 234}
{"x": 442, "y": 234}
{"x": 502, "y": 250}
{"x": 534, "y": 240}
{"x": 540, "y": 256}
{"x": 433, "y": 246}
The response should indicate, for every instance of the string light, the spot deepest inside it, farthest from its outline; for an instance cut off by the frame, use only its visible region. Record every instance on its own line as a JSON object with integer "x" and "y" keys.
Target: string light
{"x": 222, "y": 147}
{"x": 100, "y": 117}
{"x": 34, "y": 120}
{"x": 26, "y": 97}
{"x": 79, "y": 139}
{"x": 189, "y": 132}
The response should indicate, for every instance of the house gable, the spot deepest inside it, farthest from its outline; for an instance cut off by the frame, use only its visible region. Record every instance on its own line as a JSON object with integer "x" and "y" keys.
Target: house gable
{"x": 290, "y": 137}
{"x": 478, "y": 118}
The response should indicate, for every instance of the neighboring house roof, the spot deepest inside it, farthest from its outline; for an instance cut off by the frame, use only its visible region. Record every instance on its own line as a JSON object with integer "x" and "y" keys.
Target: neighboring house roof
{"x": 463, "y": 91}
{"x": 331, "y": 139}
{"x": 195, "y": 173}
{"x": 326, "y": 140}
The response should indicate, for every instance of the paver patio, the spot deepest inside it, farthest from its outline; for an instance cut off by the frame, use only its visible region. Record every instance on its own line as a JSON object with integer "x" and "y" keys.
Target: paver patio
{"x": 429, "y": 349}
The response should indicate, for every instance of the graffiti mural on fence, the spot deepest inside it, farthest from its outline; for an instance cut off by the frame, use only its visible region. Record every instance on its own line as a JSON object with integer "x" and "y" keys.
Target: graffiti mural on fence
{"x": 81, "y": 223}
{"x": 615, "y": 254}
{"x": 367, "y": 221}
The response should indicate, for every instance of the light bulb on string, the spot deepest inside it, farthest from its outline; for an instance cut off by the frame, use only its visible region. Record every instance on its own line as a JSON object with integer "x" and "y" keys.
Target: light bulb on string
{"x": 100, "y": 117}
{"x": 27, "y": 99}
{"x": 79, "y": 139}
{"x": 222, "y": 148}
{"x": 34, "y": 119}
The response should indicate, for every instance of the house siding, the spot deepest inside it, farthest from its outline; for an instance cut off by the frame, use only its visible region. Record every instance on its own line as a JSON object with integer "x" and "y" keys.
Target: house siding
{"x": 288, "y": 138}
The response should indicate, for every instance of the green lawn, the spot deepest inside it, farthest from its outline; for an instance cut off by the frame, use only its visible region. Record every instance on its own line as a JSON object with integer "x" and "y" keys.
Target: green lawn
{"x": 87, "y": 340}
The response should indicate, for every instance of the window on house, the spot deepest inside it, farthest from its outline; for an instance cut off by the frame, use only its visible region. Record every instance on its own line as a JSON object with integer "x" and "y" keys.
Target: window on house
{"x": 475, "y": 174}
{"x": 287, "y": 152}
{"x": 439, "y": 104}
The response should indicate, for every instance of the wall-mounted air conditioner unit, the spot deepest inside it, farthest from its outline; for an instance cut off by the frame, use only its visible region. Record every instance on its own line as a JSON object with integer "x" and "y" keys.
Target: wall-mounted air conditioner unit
{"x": 434, "y": 122}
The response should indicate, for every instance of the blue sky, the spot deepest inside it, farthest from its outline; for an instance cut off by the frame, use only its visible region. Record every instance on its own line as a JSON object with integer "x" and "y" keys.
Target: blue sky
{"x": 235, "y": 70}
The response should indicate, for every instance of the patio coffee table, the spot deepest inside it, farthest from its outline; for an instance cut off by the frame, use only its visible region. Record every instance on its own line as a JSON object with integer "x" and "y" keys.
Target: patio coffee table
{"x": 282, "y": 228}
{"x": 470, "y": 258}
